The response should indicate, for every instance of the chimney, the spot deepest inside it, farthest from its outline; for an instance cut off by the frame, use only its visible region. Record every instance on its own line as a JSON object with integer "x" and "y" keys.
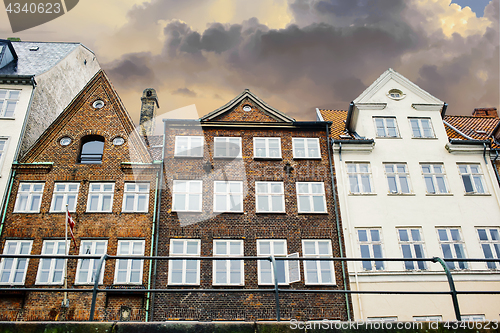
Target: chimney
{"x": 149, "y": 101}
{"x": 485, "y": 112}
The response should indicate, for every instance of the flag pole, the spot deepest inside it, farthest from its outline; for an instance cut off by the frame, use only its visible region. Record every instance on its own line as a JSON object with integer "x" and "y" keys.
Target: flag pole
{"x": 65, "y": 301}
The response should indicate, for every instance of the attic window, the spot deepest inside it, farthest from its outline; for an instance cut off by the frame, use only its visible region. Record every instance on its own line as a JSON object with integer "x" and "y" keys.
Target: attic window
{"x": 98, "y": 104}
{"x": 247, "y": 108}
{"x": 34, "y": 48}
{"x": 480, "y": 132}
{"x": 396, "y": 94}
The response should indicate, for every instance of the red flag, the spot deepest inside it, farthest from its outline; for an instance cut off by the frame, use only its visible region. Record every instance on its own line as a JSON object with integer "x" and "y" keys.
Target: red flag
{"x": 71, "y": 224}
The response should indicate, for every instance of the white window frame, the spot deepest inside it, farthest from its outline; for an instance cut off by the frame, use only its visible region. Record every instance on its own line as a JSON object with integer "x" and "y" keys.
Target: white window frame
{"x": 31, "y": 194}
{"x": 419, "y": 122}
{"x": 359, "y": 174}
{"x": 476, "y": 317}
{"x": 129, "y": 261}
{"x": 65, "y": 194}
{"x": 385, "y": 127}
{"x": 374, "y": 264}
{"x": 476, "y": 179}
{"x": 412, "y": 244}
{"x": 266, "y": 148}
{"x": 101, "y": 193}
{"x": 399, "y": 178}
{"x": 319, "y": 270}
{"x": 3, "y": 151}
{"x": 228, "y": 195}
{"x": 7, "y": 100}
{"x": 492, "y": 244}
{"x": 382, "y": 319}
{"x": 269, "y": 195}
{"x": 286, "y": 263}
{"x": 311, "y": 196}
{"x": 183, "y": 261}
{"x": 228, "y": 140}
{"x": 452, "y": 265}
{"x": 434, "y": 176}
{"x": 92, "y": 262}
{"x": 189, "y": 195}
{"x": 53, "y": 262}
{"x": 135, "y": 194}
{"x": 428, "y": 318}
{"x": 229, "y": 264}
{"x": 308, "y": 144}
{"x": 189, "y": 151}
{"x": 14, "y": 268}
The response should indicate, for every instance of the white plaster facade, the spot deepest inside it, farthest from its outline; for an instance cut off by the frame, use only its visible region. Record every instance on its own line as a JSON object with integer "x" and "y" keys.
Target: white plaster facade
{"x": 48, "y": 79}
{"x": 418, "y": 209}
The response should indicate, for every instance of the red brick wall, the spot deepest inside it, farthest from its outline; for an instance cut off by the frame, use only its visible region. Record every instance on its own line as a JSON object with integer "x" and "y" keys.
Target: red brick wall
{"x": 237, "y": 113}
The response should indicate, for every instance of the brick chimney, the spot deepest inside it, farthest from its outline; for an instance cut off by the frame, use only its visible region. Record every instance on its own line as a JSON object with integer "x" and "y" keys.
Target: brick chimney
{"x": 149, "y": 101}
{"x": 485, "y": 112}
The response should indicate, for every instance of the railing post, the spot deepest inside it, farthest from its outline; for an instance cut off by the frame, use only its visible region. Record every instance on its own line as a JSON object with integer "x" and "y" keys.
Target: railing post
{"x": 452, "y": 286}
{"x": 96, "y": 285}
{"x": 276, "y": 290}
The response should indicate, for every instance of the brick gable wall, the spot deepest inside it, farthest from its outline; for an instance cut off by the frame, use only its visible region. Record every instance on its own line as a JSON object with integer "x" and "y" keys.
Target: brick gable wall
{"x": 238, "y": 114}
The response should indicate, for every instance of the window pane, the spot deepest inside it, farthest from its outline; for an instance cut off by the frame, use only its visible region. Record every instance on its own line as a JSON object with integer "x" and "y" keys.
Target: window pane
{"x": 482, "y": 234}
{"x": 443, "y": 235}
{"x": 441, "y": 184}
{"x": 304, "y": 204}
{"x": 429, "y": 184}
{"x": 392, "y": 184}
{"x": 129, "y": 202}
{"x": 318, "y": 204}
{"x": 365, "y": 180}
{"x": 404, "y": 184}
{"x": 467, "y": 183}
{"x": 479, "y": 184}
{"x": 403, "y": 235}
{"x": 362, "y": 235}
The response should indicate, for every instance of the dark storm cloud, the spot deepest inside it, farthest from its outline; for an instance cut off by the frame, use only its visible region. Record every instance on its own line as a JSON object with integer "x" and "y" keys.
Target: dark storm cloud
{"x": 319, "y": 64}
{"x": 185, "y": 92}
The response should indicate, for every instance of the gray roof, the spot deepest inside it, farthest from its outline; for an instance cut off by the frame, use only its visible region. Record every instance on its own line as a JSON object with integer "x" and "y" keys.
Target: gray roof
{"x": 37, "y": 62}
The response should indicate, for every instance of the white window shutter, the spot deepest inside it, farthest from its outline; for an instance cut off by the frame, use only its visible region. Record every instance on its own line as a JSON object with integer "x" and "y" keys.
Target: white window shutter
{"x": 293, "y": 268}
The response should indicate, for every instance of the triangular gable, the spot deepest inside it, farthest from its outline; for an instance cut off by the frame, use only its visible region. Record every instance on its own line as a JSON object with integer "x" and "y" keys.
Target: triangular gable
{"x": 79, "y": 119}
{"x": 260, "y": 111}
{"x": 407, "y": 84}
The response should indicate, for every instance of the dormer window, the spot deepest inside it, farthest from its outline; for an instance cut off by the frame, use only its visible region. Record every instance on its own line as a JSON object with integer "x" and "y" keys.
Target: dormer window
{"x": 395, "y": 94}
{"x": 92, "y": 149}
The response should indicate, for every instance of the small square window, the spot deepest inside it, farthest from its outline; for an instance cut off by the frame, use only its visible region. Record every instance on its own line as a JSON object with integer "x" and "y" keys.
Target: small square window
{"x": 472, "y": 178}
{"x": 435, "y": 178}
{"x": 8, "y": 102}
{"x": 87, "y": 268}
{"x": 129, "y": 271}
{"x": 311, "y": 197}
{"x": 318, "y": 272}
{"x": 421, "y": 127}
{"x": 184, "y": 272}
{"x": 412, "y": 246}
{"x": 189, "y": 146}
{"x": 370, "y": 245}
{"x": 386, "y": 127}
{"x": 100, "y": 198}
{"x": 288, "y": 271}
{"x": 267, "y": 148}
{"x": 64, "y": 194}
{"x": 359, "y": 175}
{"x": 306, "y": 148}
{"x": 29, "y": 198}
{"x": 489, "y": 239}
{"x": 51, "y": 271}
{"x": 136, "y": 198}
{"x": 187, "y": 196}
{"x": 270, "y": 197}
{"x": 452, "y": 245}
{"x": 228, "y": 272}
{"x": 398, "y": 178}
{"x": 227, "y": 147}
{"x": 228, "y": 196}
{"x": 13, "y": 270}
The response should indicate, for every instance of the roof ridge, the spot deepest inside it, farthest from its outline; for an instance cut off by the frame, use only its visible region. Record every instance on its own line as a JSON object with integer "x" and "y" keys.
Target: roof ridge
{"x": 467, "y": 116}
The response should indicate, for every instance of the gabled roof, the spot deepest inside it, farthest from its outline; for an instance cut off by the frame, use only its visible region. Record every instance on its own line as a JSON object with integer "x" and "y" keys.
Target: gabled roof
{"x": 99, "y": 81}
{"x": 270, "y": 111}
{"x": 471, "y": 128}
{"x": 392, "y": 74}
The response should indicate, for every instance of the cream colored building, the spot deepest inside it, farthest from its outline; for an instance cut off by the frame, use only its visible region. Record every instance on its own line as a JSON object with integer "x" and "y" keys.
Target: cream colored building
{"x": 406, "y": 191}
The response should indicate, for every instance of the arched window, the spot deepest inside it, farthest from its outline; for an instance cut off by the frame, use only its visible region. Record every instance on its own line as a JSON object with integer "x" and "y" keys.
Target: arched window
{"x": 92, "y": 148}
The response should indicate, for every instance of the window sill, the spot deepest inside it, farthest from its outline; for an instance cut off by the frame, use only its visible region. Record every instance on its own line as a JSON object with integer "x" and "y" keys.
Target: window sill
{"x": 439, "y": 194}
{"x": 267, "y": 158}
{"x": 270, "y": 213}
{"x": 307, "y": 158}
{"x": 433, "y": 138}
{"x": 97, "y": 212}
{"x": 125, "y": 284}
{"x": 189, "y": 157}
{"x": 314, "y": 213}
{"x": 388, "y": 137}
{"x": 362, "y": 194}
{"x": 80, "y": 284}
{"x": 401, "y": 194}
{"x": 224, "y": 212}
{"x": 188, "y": 211}
{"x": 227, "y": 285}
{"x": 227, "y": 158}
{"x": 49, "y": 284}
{"x": 26, "y": 212}
{"x": 320, "y": 284}
{"x": 7, "y": 118}
{"x": 477, "y": 194}
{"x": 63, "y": 212}
{"x": 182, "y": 284}
{"x": 127, "y": 212}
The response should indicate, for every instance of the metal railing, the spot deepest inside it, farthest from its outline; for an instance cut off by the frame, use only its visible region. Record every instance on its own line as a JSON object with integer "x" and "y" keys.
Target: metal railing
{"x": 276, "y": 290}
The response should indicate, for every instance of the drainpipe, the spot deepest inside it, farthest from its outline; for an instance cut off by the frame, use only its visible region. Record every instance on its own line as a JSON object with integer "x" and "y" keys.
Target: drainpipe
{"x": 494, "y": 167}
{"x": 337, "y": 221}
{"x": 6, "y": 203}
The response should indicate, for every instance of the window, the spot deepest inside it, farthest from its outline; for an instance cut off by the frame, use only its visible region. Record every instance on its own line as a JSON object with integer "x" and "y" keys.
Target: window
{"x": 8, "y": 102}
{"x": 480, "y": 317}
{"x": 228, "y": 196}
{"x": 427, "y": 318}
{"x": 386, "y": 127}
{"x": 136, "y": 198}
{"x": 318, "y": 272}
{"x": 227, "y": 147}
{"x": 359, "y": 178}
{"x": 51, "y": 271}
{"x": 288, "y": 271}
{"x": 370, "y": 244}
{"x": 64, "y": 194}
{"x": 228, "y": 272}
{"x": 452, "y": 246}
{"x": 187, "y": 196}
{"x": 270, "y": 197}
{"x": 267, "y": 147}
{"x": 435, "y": 178}
{"x": 100, "y": 197}
{"x": 92, "y": 149}
{"x": 381, "y": 319}
{"x": 490, "y": 243}
{"x": 129, "y": 271}
{"x": 189, "y": 146}
{"x": 13, "y": 270}
{"x": 311, "y": 197}
{"x": 306, "y": 148}
{"x": 87, "y": 268}
{"x": 421, "y": 128}
{"x": 29, "y": 198}
{"x": 184, "y": 271}
{"x": 397, "y": 178}
{"x": 412, "y": 247}
{"x": 472, "y": 178}
{"x": 3, "y": 149}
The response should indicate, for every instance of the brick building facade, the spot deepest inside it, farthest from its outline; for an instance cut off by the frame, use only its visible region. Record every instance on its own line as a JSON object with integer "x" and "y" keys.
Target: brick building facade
{"x": 92, "y": 159}
{"x": 247, "y": 180}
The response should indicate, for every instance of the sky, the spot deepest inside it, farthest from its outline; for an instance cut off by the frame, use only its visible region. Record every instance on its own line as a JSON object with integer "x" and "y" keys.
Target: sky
{"x": 296, "y": 55}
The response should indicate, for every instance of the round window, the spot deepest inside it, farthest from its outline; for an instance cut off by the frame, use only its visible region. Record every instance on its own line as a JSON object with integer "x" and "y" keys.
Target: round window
{"x": 395, "y": 94}
{"x": 118, "y": 141}
{"x": 247, "y": 108}
{"x": 98, "y": 104}
{"x": 65, "y": 141}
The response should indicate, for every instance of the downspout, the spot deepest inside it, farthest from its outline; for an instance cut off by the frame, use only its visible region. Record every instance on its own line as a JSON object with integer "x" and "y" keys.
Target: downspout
{"x": 494, "y": 167}
{"x": 337, "y": 221}
{"x": 6, "y": 203}
{"x": 484, "y": 154}
{"x": 152, "y": 247}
